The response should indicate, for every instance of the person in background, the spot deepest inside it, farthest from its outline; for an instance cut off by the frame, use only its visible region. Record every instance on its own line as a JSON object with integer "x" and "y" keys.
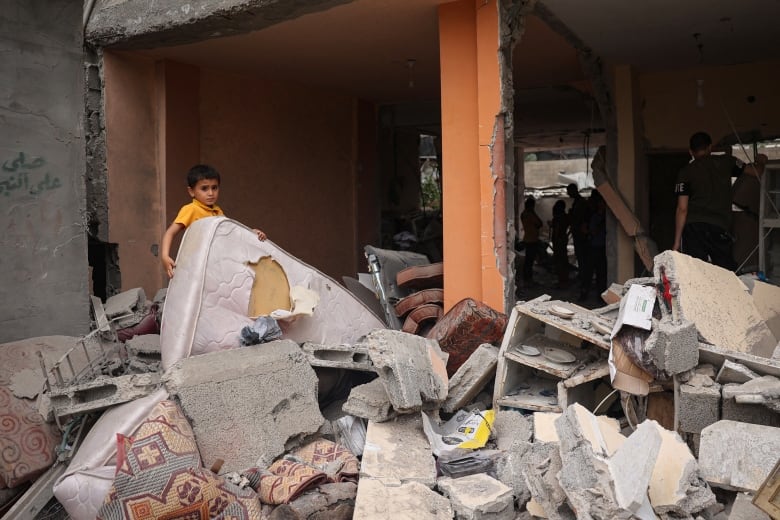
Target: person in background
{"x": 579, "y": 214}
{"x": 559, "y": 231}
{"x": 597, "y": 234}
{"x": 532, "y": 225}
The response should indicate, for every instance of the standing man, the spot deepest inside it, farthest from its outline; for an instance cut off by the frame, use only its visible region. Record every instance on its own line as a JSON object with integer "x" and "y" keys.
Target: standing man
{"x": 703, "y": 216}
{"x": 579, "y": 216}
{"x": 532, "y": 225}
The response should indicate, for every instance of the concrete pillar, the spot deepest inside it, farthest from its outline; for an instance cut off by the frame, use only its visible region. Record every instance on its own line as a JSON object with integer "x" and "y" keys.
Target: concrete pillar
{"x": 473, "y": 153}
{"x": 628, "y": 157}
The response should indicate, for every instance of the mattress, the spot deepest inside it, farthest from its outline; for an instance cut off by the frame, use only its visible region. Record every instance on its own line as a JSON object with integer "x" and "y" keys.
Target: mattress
{"x": 207, "y": 303}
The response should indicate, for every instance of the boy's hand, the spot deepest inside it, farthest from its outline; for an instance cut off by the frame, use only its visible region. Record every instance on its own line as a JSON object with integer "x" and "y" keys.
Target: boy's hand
{"x": 260, "y": 234}
{"x": 169, "y": 265}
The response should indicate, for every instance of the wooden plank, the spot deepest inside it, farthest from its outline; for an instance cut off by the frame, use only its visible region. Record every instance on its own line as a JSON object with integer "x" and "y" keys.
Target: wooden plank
{"x": 540, "y": 311}
{"x": 767, "y": 497}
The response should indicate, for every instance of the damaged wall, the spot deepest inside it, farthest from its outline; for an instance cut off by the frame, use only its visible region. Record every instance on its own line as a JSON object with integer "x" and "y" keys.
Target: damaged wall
{"x": 43, "y": 231}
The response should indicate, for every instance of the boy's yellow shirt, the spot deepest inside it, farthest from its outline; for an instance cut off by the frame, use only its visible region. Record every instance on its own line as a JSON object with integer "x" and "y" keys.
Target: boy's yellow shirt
{"x": 196, "y": 210}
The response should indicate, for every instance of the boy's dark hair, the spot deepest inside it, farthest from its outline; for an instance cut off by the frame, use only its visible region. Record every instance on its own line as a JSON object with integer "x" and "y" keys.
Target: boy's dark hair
{"x": 699, "y": 141}
{"x": 200, "y": 172}
{"x": 530, "y": 202}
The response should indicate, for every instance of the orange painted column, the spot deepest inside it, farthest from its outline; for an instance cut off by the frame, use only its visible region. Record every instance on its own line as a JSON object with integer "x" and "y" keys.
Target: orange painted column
{"x": 470, "y": 102}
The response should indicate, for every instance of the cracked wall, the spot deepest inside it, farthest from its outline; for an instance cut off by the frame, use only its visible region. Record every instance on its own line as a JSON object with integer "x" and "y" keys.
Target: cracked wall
{"x": 45, "y": 285}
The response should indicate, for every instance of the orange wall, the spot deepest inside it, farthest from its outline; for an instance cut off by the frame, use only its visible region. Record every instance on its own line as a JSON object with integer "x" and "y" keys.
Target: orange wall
{"x": 287, "y": 157}
{"x": 134, "y": 204}
{"x": 670, "y": 113}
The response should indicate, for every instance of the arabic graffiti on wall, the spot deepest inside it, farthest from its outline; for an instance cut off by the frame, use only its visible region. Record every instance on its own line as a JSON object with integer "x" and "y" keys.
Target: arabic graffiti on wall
{"x": 22, "y": 175}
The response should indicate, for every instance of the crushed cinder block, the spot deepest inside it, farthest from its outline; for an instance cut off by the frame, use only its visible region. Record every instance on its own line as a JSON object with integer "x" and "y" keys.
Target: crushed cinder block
{"x": 376, "y": 501}
{"x": 698, "y": 403}
{"x": 743, "y": 509}
{"x": 101, "y": 393}
{"x": 471, "y": 377}
{"x": 733, "y": 372}
{"x": 334, "y": 501}
{"x": 632, "y": 466}
{"x": 738, "y": 456}
{"x": 478, "y": 497}
{"x": 348, "y": 357}
{"x": 733, "y": 322}
{"x": 397, "y": 452}
{"x": 509, "y": 470}
{"x": 370, "y": 401}
{"x": 540, "y": 467}
{"x": 247, "y": 405}
{"x": 511, "y": 427}
{"x": 412, "y": 368}
{"x": 672, "y": 346}
{"x": 676, "y": 486}
{"x": 764, "y": 390}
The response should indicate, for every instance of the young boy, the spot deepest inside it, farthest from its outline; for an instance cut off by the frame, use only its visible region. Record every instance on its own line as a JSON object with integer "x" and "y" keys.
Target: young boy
{"x": 203, "y": 187}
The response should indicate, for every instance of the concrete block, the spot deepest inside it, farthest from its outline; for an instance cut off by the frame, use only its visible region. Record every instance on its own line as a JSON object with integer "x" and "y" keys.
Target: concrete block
{"x": 764, "y": 390}
{"x": 698, "y": 403}
{"x": 633, "y": 463}
{"x": 511, "y": 427}
{"x": 731, "y": 410}
{"x": 733, "y": 372}
{"x": 247, "y": 405}
{"x": 348, "y": 357}
{"x": 370, "y": 401}
{"x": 715, "y": 300}
{"x": 478, "y": 497}
{"x": 397, "y": 452}
{"x": 743, "y": 509}
{"x": 673, "y": 346}
{"x": 676, "y": 485}
{"x": 410, "y": 500}
{"x": 101, "y": 393}
{"x": 471, "y": 377}
{"x": 738, "y": 456}
{"x": 509, "y": 470}
{"x": 540, "y": 467}
{"x": 146, "y": 346}
{"x": 412, "y": 368}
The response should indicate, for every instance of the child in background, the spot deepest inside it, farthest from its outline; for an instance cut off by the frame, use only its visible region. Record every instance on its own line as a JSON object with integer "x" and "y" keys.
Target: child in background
{"x": 559, "y": 229}
{"x": 203, "y": 186}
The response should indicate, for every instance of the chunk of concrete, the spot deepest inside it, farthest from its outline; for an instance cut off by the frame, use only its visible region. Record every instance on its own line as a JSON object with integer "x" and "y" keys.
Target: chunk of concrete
{"x": 145, "y": 346}
{"x": 676, "y": 485}
{"x": 124, "y": 303}
{"x": 544, "y": 426}
{"x": 715, "y": 300}
{"x": 511, "y": 427}
{"x": 410, "y": 500}
{"x": 763, "y": 390}
{"x": 698, "y": 403}
{"x": 247, "y": 405}
{"x": 333, "y": 501}
{"x": 411, "y": 368}
{"x": 348, "y": 357}
{"x": 731, "y": 410}
{"x": 738, "y": 456}
{"x": 478, "y": 497}
{"x": 733, "y": 372}
{"x": 540, "y": 467}
{"x": 743, "y": 509}
{"x": 767, "y": 300}
{"x": 101, "y": 393}
{"x": 509, "y": 470}
{"x": 672, "y": 346}
{"x": 370, "y": 401}
{"x": 471, "y": 377}
{"x": 397, "y": 452}
{"x": 633, "y": 463}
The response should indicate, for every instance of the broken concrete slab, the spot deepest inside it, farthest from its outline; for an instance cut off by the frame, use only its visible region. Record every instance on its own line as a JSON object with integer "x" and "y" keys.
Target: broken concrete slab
{"x": 733, "y": 372}
{"x": 126, "y": 308}
{"x": 511, "y": 427}
{"x": 743, "y": 509}
{"x": 219, "y": 392}
{"x": 673, "y": 346}
{"x": 145, "y": 346}
{"x": 478, "y": 497}
{"x": 334, "y": 501}
{"x": 101, "y": 393}
{"x": 410, "y": 500}
{"x": 763, "y": 390}
{"x": 397, "y": 452}
{"x": 348, "y": 357}
{"x": 698, "y": 288}
{"x": 540, "y": 467}
{"x": 509, "y": 470}
{"x": 738, "y": 456}
{"x": 471, "y": 377}
{"x": 370, "y": 401}
{"x": 633, "y": 463}
{"x": 676, "y": 485}
{"x": 698, "y": 403}
{"x": 411, "y": 368}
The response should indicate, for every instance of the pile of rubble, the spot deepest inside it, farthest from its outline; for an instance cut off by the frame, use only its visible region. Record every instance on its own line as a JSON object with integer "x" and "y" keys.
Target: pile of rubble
{"x": 664, "y": 403}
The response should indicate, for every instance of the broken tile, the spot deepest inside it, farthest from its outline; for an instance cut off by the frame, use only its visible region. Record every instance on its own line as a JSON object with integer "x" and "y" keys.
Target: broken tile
{"x": 698, "y": 403}
{"x": 544, "y": 426}
{"x": 738, "y": 456}
{"x": 397, "y": 452}
{"x": 370, "y": 401}
{"x": 411, "y": 368}
{"x": 471, "y": 377}
{"x": 410, "y": 500}
{"x": 247, "y": 404}
{"x": 478, "y": 497}
{"x": 715, "y": 300}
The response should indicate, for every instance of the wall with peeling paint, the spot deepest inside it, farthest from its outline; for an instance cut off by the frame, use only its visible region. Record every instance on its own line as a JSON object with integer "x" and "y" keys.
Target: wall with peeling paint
{"x": 45, "y": 277}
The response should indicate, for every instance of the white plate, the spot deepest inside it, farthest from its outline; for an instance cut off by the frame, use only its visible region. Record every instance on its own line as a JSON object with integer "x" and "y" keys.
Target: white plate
{"x": 561, "y": 312}
{"x": 527, "y": 350}
{"x": 557, "y": 355}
